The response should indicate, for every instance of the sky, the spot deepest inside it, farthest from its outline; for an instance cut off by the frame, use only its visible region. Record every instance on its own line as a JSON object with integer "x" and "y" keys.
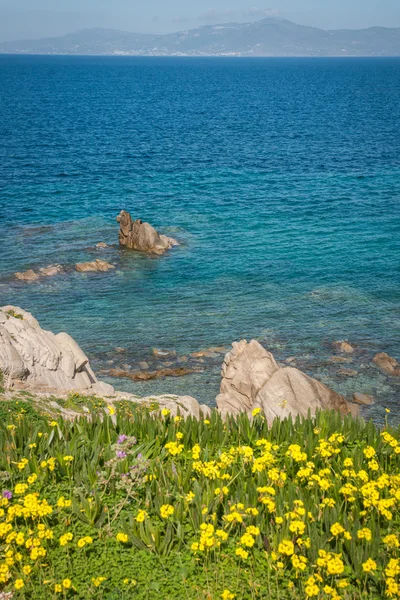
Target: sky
{"x": 22, "y": 19}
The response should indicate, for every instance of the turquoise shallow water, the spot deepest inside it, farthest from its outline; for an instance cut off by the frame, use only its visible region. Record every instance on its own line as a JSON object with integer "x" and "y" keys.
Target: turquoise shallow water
{"x": 280, "y": 178}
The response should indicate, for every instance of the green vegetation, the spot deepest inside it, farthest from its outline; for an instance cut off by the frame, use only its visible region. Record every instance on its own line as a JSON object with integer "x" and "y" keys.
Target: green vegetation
{"x": 12, "y": 313}
{"x": 128, "y": 504}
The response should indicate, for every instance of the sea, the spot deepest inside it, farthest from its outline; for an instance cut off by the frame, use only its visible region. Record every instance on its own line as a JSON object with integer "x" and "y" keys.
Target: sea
{"x": 279, "y": 177}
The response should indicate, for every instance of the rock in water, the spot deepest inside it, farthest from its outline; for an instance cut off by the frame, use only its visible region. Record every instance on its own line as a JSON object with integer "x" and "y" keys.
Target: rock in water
{"x": 252, "y": 379}
{"x": 94, "y": 265}
{"x": 142, "y": 236}
{"x": 365, "y": 399}
{"x": 51, "y": 270}
{"x": 387, "y": 364}
{"x": 35, "y": 359}
{"x": 29, "y": 275}
{"x": 343, "y": 346}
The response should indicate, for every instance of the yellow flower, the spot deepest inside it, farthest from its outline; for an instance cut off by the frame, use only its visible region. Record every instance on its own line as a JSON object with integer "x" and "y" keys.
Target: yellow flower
{"x": 227, "y": 595}
{"x": 369, "y": 566}
{"x": 111, "y": 410}
{"x": 174, "y": 448}
{"x": 369, "y": 452}
{"x": 165, "y": 412}
{"x": 166, "y": 511}
{"x": 19, "y": 584}
{"x": 53, "y": 423}
{"x": 286, "y": 547}
{"x": 27, "y": 570}
{"x": 364, "y": 534}
{"x": 242, "y": 553}
{"x": 58, "y": 588}
{"x": 206, "y": 421}
{"x": 256, "y": 412}
{"x": 337, "y": 529}
{"x": 122, "y": 537}
{"x": 66, "y": 583}
{"x": 141, "y": 516}
{"x": 179, "y": 435}
{"x": 97, "y": 581}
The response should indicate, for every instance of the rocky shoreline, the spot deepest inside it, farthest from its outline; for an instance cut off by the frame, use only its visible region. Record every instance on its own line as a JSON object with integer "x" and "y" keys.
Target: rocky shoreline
{"x": 45, "y": 363}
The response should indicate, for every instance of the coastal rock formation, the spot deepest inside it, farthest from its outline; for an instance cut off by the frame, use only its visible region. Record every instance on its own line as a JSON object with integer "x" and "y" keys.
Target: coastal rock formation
{"x": 141, "y": 236}
{"x": 146, "y": 375}
{"x": 245, "y": 370}
{"x": 29, "y": 275}
{"x": 387, "y": 364}
{"x": 39, "y": 360}
{"x": 94, "y": 265}
{"x": 252, "y": 379}
{"x": 343, "y": 346}
{"x": 186, "y": 406}
{"x": 365, "y": 399}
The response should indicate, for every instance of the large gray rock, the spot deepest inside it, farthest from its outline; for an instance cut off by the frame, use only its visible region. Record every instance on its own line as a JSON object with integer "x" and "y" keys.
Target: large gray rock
{"x": 35, "y": 359}
{"x": 141, "y": 236}
{"x": 387, "y": 364}
{"x": 246, "y": 368}
{"x": 186, "y": 406}
{"x": 252, "y": 379}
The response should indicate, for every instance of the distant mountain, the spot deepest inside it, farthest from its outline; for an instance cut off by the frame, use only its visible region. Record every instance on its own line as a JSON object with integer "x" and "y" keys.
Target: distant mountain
{"x": 268, "y": 37}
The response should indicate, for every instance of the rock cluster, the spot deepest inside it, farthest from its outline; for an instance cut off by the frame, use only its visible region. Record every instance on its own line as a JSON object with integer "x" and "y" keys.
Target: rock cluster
{"x": 31, "y": 275}
{"x": 96, "y": 266}
{"x": 251, "y": 379}
{"x": 387, "y": 364}
{"x": 141, "y": 236}
{"x": 35, "y": 359}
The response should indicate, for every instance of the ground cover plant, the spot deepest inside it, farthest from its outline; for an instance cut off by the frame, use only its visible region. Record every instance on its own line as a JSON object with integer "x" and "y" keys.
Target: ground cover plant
{"x": 125, "y": 503}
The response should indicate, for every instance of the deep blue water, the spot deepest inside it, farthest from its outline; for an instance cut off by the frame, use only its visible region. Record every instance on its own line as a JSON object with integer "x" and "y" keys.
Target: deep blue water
{"x": 280, "y": 178}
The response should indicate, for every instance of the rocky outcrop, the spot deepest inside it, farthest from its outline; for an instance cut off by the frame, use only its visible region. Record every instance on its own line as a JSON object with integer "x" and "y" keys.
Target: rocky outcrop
{"x": 246, "y": 369}
{"x": 252, "y": 379}
{"x": 147, "y": 375}
{"x": 343, "y": 346}
{"x": 141, "y": 236}
{"x": 387, "y": 364}
{"x": 94, "y": 265}
{"x": 39, "y": 360}
{"x": 186, "y": 406}
{"x": 364, "y": 399}
{"x": 29, "y": 275}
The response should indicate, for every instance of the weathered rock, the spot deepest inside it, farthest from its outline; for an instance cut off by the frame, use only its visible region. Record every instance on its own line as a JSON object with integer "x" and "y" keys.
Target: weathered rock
{"x": 146, "y": 375}
{"x": 94, "y": 265}
{"x": 29, "y": 275}
{"x": 246, "y": 368}
{"x": 144, "y": 365}
{"x": 186, "y": 406}
{"x": 339, "y": 359}
{"x": 252, "y": 379}
{"x": 141, "y": 236}
{"x": 343, "y": 346}
{"x": 363, "y": 399}
{"x": 387, "y": 364}
{"x": 119, "y": 349}
{"x": 347, "y": 372}
{"x": 35, "y": 359}
{"x": 290, "y": 391}
{"x": 50, "y": 271}
{"x": 102, "y": 245}
{"x": 163, "y": 353}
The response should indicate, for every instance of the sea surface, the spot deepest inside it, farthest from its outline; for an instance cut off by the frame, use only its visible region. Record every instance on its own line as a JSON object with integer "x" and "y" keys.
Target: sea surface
{"x": 279, "y": 177}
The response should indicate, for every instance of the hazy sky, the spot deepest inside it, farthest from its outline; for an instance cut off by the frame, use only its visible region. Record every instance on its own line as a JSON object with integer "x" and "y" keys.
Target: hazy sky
{"x": 40, "y": 18}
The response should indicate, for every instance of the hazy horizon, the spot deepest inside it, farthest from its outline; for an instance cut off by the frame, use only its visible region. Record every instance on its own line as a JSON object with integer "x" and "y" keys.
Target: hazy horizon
{"x": 35, "y": 19}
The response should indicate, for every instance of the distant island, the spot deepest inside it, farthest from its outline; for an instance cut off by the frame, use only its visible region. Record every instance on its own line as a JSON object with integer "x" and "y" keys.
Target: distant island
{"x": 268, "y": 37}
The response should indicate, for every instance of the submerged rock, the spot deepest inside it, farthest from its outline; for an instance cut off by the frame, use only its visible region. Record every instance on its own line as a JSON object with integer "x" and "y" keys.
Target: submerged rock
{"x": 343, "y": 346}
{"x": 363, "y": 399}
{"x": 163, "y": 353}
{"x": 141, "y": 236}
{"x": 387, "y": 364}
{"x": 94, "y": 265}
{"x": 251, "y": 378}
{"x": 146, "y": 375}
{"x": 51, "y": 270}
{"x": 29, "y": 275}
{"x": 35, "y": 359}
{"x": 102, "y": 245}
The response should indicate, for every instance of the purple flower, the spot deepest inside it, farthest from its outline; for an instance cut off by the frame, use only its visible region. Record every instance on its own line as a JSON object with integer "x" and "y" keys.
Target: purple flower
{"x": 121, "y": 454}
{"x": 7, "y": 494}
{"x": 122, "y": 438}
{"x": 140, "y": 456}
